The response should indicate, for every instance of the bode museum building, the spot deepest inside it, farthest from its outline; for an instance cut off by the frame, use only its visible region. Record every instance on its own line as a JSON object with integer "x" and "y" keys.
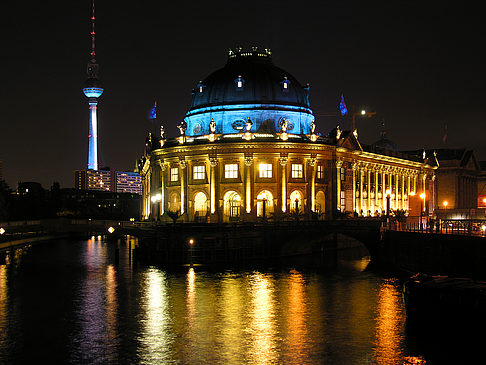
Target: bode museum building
{"x": 248, "y": 149}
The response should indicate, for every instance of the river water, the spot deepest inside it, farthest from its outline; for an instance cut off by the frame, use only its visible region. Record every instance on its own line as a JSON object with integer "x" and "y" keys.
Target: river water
{"x": 71, "y": 301}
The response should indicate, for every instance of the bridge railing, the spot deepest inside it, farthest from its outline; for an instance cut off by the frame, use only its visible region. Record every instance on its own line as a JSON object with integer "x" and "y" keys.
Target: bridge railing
{"x": 471, "y": 227}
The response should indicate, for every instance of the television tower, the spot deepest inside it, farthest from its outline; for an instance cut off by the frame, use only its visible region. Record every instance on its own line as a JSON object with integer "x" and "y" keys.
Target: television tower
{"x": 93, "y": 90}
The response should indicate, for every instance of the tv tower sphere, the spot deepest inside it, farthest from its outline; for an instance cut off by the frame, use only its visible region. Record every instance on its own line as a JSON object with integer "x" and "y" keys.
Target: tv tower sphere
{"x": 92, "y": 88}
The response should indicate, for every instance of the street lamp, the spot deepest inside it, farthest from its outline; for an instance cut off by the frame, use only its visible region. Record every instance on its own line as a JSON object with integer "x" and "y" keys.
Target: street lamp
{"x": 264, "y": 208}
{"x": 388, "y": 193}
{"x": 191, "y": 245}
{"x": 422, "y": 207}
{"x": 156, "y": 200}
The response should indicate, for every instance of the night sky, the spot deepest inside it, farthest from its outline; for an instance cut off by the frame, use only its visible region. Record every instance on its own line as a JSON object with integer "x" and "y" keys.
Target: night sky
{"x": 420, "y": 67}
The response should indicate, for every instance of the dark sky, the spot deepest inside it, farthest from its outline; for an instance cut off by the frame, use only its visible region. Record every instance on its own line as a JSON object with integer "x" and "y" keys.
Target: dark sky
{"x": 419, "y": 66}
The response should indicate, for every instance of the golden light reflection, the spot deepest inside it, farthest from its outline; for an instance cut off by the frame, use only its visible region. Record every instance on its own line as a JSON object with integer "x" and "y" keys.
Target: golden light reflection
{"x": 111, "y": 302}
{"x": 191, "y": 296}
{"x": 156, "y": 338}
{"x": 3, "y": 304}
{"x": 389, "y": 323}
{"x": 262, "y": 320}
{"x": 232, "y": 308}
{"x": 297, "y": 312}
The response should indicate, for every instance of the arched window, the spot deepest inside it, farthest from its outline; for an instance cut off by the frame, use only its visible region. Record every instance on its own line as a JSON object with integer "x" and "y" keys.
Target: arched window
{"x": 264, "y": 203}
{"x": 175, "y": 202}
{"x": 200, "y": 205}
{"x": 232, "y": 206}
{"x": 320, "y": 202}
{"x": 296, "y": 201}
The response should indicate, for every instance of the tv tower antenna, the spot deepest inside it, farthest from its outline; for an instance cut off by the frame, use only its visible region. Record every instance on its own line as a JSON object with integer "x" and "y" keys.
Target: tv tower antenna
{"x": 93, "y": 90}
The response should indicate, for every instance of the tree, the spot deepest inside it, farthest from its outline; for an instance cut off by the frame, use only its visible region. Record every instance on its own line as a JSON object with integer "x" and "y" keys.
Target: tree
{"x": 174, "y": 215}
{"x": 4, "y": 200}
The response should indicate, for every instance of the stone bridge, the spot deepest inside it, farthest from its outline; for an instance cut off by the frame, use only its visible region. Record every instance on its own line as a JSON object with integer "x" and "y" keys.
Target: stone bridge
{"x": 249, "y": 242}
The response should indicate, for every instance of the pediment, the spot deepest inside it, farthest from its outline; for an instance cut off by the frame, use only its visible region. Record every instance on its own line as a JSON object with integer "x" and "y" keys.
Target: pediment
{"x": 350, "y": 142}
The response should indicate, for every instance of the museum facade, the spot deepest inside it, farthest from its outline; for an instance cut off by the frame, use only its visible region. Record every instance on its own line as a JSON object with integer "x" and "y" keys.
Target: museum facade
{"x": 248, "y": 149}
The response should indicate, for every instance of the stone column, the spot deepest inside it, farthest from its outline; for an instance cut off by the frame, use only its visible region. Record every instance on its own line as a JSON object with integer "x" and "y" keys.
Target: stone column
{"x": 163, "y": 168}
{"x": 355, "y": 167}
{"x": 361, "y": 174}
{"x": 368, "y": 191}
{"x": 396, "y": 190}
{"x": 283, "y": 163}
{"x": 312, "y": 164}
{"x": 248, "y": 200}
{"x": 183, "y": 165}
{"x": 402, "y": 177}
{"x": 376, "y": 192}
{"x": 213, "y": 163}
{"x": 383, "y": 190}
{"x": 339, "y": 165}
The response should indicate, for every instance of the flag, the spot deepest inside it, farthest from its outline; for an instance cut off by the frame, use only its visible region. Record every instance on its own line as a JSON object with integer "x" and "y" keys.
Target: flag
{"x": 153, "y": 111}
{"x": 444, "y": 139}
{"x": 342, "y": 106}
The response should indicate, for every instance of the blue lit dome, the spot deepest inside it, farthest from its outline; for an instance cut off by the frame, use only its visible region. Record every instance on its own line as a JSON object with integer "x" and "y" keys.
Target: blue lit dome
{"x": 93, "y": 88}
{"x": 249, "y": 86}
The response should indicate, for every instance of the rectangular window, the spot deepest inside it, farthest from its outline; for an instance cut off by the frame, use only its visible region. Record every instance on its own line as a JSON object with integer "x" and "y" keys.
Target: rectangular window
{"x": 174, "y": 174}
{"x": 199, "y": 172}
{"x": 231, "y": 171}
{"x": 265, "y": 170}
{"x": 320, "y": 172}
{"x": 343, "y": 201}
{"x": 297, "y": 171}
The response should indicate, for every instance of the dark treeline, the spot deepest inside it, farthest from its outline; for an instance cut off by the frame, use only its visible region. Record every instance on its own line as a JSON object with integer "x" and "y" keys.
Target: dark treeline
{"x": 31, "y": 201}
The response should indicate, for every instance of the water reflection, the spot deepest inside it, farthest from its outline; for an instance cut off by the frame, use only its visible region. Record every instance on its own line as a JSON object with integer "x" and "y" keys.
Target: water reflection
{"x": 3, "y": 307}
{"x": 117, "y": 312}
{"x": 296, "y": 318}
{"x": 95, "y": 336}
{"x": 155, "y": 339}
{"x": 390, "y": 323}
{"x": 232, "y": 309}
{"x": 262, "y": 349}
{"x": 111, "y": 303}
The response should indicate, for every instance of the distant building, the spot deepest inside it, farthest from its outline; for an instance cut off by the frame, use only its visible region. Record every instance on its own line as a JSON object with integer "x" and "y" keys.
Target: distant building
{"x": 99, "y": 204}
{"x": 128, "y": 182}
{"x": 100, "y": 180}
{"x": 108, "y": 180}
{"x": 458, "y": 184}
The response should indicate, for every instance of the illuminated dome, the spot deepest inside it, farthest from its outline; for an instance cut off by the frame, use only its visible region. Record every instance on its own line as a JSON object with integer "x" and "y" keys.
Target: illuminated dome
{"x": 249, "y": 86}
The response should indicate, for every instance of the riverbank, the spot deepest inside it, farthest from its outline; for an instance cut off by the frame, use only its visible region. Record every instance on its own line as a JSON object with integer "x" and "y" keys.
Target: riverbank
{"x": 25, "y": 241}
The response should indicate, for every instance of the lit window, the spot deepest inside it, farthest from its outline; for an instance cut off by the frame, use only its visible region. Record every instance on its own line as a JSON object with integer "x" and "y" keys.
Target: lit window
{"x": 320, "y": 172}
{"x": 199, "y": 172}
{"x": 265, "y": 170}
{"x": 285, "y": 84}
{"x": 174, "y": 174}
{"x": 231, "y": 171}
{"x": 239, "y": 82}
{"x": 297, "y": 171}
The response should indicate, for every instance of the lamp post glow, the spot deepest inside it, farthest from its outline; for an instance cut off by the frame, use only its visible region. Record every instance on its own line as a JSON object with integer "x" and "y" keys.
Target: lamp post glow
{"x": 191, "y": 246}
{"x": 2, "y": 230}
{"x": 422, "y": 208}
{"x": 388, "y": 193}
{"x": 156, "y": 200}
